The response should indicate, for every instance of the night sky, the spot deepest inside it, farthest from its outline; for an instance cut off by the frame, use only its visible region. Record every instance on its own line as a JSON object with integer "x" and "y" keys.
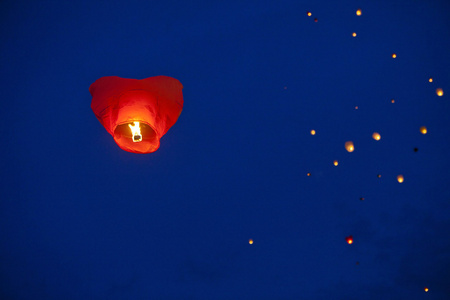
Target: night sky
{"x": 82, "y": 219}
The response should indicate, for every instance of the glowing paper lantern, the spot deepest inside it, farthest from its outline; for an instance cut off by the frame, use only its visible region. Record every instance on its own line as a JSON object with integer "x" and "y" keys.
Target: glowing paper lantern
{"x": 349, "y": 239}
{"x": 394, "y": 55}
{"x": 392, "y": 101}
{"x": 313, "y": 132}
{"x": 440, "y": 92}
{"x": 400, "y": 178}
{"x": 137, "y": 113}
{"x": 423, "y": 130}
{"x": 425, "y": 289}
{"x": 358, "y": 12}
{"x": 308, "y": 13}
{"x": 379, "y": 175}
{"x": 376, "y": 136}
{"x": 430, "y": 80}
{"x": 308, "y": 174}
{"x": 354, "y": 34}
{"x": 335, "y": 163}
{"x": 349, "y": 146}
{"x": 250, "y": 241}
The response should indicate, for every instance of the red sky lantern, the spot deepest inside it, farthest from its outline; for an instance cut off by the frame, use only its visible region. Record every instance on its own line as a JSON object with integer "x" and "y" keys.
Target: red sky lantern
{"x": 137, "y": 113}
{"x": 349, "y": 239}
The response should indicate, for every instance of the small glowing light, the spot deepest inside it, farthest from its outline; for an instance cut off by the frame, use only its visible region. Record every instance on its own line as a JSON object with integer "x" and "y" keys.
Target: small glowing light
{"x": 358, "y": 12}
{"x": 250, "y": 241}
{"x": 308, "y": 174}
{"x": 440, "y": 92}
{"x": 335, "y": 163}
{"x": 400, "y": 178}
{"x": 379, "y": 175}
{"x": 430, "y": 80}
{"x": 349, "y": 239}
{"x": 308, "y": 13}
{"x": 136, "y": 132}
{"x": 423, "y": 130}
{"x": 376, "y": 136}
{"x": 349, "y": 146}
{"x": 425, "y": 289}
{"x": 394, "y": 55}
{"x": 313, "y": 132}
{"x": 362, "y": 198}
{"x": 392, "y": 101}
{"x": 354, "y": 34}
{"x": 356, "y": 107}
{"x": 315, "y": 20}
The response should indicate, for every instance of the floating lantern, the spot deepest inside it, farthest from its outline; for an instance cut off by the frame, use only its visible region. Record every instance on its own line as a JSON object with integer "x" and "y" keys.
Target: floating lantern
{"x": 400, "y": 178}
{"x": 308, "y": 174}
{"x": 308, "y": 13}
{"x": 137, "y": 113}
{"x": 315, "y": 20}
{"x": 335, "y": 163}
{"x": 354, "y": 34}
{"x": 423, "y": 130}
{"x": 430, "y": 80}
{"x": 349, "y": 146}
{"x": 392, "y": 101}
{"x": 349, "y": 239}
{"x": 358, "y": 12}
{"x": 440, "y": 92}
{"x": 425, "y": 289}
{"x": 250, "y": 241}
{"x": 313, "y": 132}
{"x": 394, "y": 55}
{"x": 376, "y": 136}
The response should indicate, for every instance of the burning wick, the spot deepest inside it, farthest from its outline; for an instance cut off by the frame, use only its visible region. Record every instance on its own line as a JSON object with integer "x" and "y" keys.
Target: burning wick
{"x": 136, "y": 132}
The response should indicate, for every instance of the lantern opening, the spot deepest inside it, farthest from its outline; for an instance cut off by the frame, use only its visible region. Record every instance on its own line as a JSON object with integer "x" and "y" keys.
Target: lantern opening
{"x": 136, "y": 132}
{"x": 146, "y": 140}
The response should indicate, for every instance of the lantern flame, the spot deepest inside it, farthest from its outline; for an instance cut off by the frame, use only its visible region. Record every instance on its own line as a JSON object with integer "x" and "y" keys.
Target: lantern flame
{"x": 136, "y": 132}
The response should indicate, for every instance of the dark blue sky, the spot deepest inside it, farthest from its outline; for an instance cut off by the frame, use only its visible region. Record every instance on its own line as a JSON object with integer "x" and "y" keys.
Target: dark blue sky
{"x": 82, "y": 219}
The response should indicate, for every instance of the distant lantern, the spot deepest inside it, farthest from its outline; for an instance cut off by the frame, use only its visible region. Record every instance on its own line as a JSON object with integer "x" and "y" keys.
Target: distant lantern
{"x": 423, "y": 130}
{"x": 358, "y": 12}
{"x": 356, "y": 107}
{"x": 392, "y": 101}
{"x": 361, "y": 198}
{"x": 349, "y": 146}
{"x": 308, "y": 13}
{"x": 250, "y": 241}
{"x": 425, "y": 289}
{"x": 335, "y": 163}
{"x": 137, "y": 113}
{"x": 354, "y": 34}
{"x": 379, "y": 175}
{"x": 313, "y": 132}
{"x": 349, "y": 239}
{"x": 315, "y": 20}
{"x": 440, "y": 92}
{"x": 308, "y": 174}
{"x": 400, "y": 178}
{"x": 394, "y": 55}
{"x": 376, "y": 136}
{"x": 430, "y": 80}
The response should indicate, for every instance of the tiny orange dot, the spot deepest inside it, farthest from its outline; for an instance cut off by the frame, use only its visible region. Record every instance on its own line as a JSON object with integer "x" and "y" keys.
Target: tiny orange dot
{"x": 394, "y": 55}
{"x": 313, "y": 132}
{"x": 309, "y": 13}
{"x": 392, "y": 101}
{"x": 358, "y": 12}
{"x": 430, "y": 80}
{"x": 354, "y": 34}
{"x": 250, "y": 241}
{"x": 440, "y": 92}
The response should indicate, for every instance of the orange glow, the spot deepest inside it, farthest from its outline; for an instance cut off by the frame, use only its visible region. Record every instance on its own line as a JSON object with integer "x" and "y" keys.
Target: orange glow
{"x": 400, "y": 178}
{"x": 379, "y": 175}
{"x": 349, "y": 239}
{"x": 354, "y": 34}
{"x": 250, "y": 241}
{"x": 349, "y": 146}
{"x": 315, "y": 20}
{"x": 440, "y": 92}
{"x": 308, "y": 174}
{"x": 425, "y": 289}
{"x": 376, "y": 136}
{"x": 313, "y": 132}
{"x": 309, "y": 13}
{"x": 394, "y": 55}
{"x": 356, "y": 107}
{"x": 430, "y": 80}
{"x": 358, "y": 12}
{"x": 423, "y": 130}
{"x": 392, "y": 101}
{"x": 335, "y": 163}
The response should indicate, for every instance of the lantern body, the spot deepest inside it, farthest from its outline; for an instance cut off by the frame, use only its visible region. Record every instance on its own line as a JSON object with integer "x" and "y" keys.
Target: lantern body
{"x": 154, "y": 102}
